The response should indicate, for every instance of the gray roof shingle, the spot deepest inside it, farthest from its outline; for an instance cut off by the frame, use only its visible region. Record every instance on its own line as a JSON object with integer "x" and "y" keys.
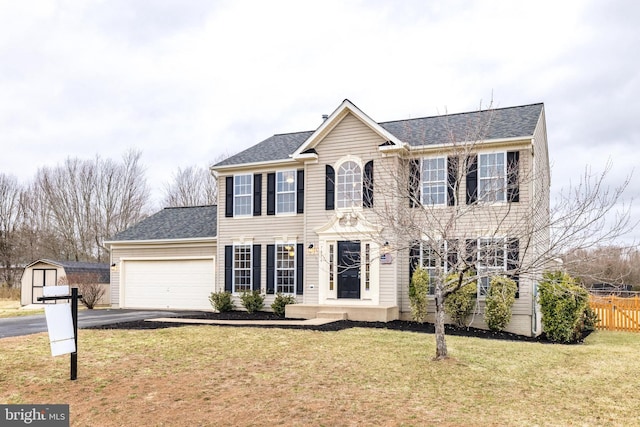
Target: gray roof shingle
{"x": 79, "y": 268}
{"x": 509, "y": 122}
{"x": 174, "y": 223}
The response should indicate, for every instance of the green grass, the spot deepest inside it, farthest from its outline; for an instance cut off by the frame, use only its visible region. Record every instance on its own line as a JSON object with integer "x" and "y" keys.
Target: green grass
{"x": 206, "y": 375}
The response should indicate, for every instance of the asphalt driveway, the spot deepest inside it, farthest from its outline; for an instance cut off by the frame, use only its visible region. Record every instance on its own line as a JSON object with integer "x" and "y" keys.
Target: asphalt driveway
{"x": 25, "y": 325}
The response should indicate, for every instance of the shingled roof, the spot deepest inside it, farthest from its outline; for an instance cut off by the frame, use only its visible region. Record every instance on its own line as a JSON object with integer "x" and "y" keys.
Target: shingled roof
{"x": 76, "y": 269}
{"x": 174, "y": 223}
{"x": 499, "y": 123}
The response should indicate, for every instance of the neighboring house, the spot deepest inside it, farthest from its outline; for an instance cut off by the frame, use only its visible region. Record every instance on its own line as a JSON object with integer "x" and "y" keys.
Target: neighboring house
{"x": 299, "y": 209}
{"x": 166, "y": 261}
{"x": 46, "y": 272}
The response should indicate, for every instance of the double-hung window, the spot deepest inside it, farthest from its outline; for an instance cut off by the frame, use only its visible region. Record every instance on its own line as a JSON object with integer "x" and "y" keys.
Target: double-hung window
{"x": 241, "y": 268}
{"x": 433, "y": 261}
{"x": 492, "y": 177}
{"x": 242, "y": 193}
{"x": 286, "y": 192}
{"x": 349, "y": 185}
{"x": 434, "y": 181}
{"x": 285, "y": 268}
{"x": 492, "y": 261}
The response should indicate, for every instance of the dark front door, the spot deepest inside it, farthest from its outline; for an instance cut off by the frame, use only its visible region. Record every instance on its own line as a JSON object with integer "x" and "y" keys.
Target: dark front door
{"x": 349, "y": 270}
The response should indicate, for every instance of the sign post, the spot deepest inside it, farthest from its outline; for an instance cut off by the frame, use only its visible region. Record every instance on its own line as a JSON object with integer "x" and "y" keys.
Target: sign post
{"x": 62, "y": 323}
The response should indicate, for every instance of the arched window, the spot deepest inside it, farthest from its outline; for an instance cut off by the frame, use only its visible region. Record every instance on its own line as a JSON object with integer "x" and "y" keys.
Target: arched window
{"x": 349, "y": 178}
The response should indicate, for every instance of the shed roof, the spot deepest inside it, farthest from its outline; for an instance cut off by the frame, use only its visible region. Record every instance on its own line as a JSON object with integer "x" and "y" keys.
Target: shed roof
{"x": 77, "y": 268}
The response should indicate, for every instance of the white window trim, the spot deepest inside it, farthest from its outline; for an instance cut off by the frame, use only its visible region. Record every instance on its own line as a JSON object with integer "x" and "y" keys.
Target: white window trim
{"x": 235, "y": 196}
{"x": 489, "y": 272}
{"x": 444, "y": 181}
{"x": 443, "y": 266}
{"x": 233, "y": 270}
{"x": 294, "y": 247}
{"x": 481, "y": 195}
{"x": 336, "y": 168}
{"x": 294, "y": 192}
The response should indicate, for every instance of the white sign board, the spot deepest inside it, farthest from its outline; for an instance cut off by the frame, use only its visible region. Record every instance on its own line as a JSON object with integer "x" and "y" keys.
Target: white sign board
{"x": 59, "y": 322}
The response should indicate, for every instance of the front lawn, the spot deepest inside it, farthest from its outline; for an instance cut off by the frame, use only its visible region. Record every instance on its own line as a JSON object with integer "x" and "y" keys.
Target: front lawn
{"x": 212, "y": 375}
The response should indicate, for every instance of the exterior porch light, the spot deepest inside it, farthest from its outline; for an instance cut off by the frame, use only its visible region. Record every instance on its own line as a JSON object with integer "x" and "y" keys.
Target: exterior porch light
{"x": 312, "y": 250}
{"x": 114, "y": 267}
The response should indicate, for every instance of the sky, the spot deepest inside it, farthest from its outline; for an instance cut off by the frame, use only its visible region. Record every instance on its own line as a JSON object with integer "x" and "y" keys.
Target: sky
{"x": 187, "y": 82}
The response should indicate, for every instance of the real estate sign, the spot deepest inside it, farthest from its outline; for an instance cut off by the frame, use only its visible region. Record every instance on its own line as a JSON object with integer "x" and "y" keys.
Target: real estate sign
{"x": 59, "y": 322}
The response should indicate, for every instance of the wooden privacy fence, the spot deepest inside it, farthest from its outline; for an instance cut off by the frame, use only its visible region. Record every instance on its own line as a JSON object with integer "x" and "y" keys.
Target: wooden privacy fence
{"x": 617, "y": 313}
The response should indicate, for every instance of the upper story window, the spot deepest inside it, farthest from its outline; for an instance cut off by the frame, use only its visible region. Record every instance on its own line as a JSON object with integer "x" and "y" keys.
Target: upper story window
{"x": 242, "y": 193}
{"x": 286, "y": 192}
{"x": 492, "y": 172}
{"x": 349, "y": 185}
{"x": 434, "y": 181}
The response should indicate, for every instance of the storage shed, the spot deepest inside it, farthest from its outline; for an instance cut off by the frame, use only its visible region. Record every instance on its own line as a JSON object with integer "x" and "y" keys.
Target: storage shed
{"x": 46, "y": 272}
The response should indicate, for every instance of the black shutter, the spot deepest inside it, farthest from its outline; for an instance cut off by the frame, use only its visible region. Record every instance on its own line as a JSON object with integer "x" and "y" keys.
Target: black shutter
{"x": 414, "y": 183}
{"x": 452, "y": 254}
{"x": 271, "y": 193}
{"x": 414, "y": 258}
{"x": 367, "y": 185}
{"x": 299, "y": 269}
{"x": 330, "y": 189}
{"x": 255, "y": 260}
{"x": 472, "y": 179}
{"x": 271, "y": 265}
{"x": 513, "y": 255}
{"x": 228, "y": 268}
{"x": 228, "y": 200}
{"x": 513, "y": 173}
{"x": 257, "y": 194}
{"x": 471, "y": 250}
{"x": 300, "y": 192}
{"x": 452, "y": 180}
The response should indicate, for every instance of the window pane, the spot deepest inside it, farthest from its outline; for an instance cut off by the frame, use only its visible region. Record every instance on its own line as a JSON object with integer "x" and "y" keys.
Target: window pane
{"x": 349, "y": 185}
{"x": 241, "y": 268}
{"x": 434, "y": 184}
{"x": 242, "y": 189}
{"x": 285, "y": 268}
{"x": 492, "y": 174}
{"x": 286, "y": 192}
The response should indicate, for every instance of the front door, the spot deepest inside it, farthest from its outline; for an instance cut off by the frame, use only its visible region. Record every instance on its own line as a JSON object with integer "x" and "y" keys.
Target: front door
{"x": 349, "y": 269}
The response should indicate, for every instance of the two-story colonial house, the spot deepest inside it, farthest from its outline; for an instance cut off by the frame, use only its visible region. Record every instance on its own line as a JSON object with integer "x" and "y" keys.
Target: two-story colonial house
{"x": 309, "y": 213}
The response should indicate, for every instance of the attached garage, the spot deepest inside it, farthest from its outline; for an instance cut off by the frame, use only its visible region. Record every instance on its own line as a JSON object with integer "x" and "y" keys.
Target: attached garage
{"x": 168, "y": 284}
{"x": 166, "y": 261}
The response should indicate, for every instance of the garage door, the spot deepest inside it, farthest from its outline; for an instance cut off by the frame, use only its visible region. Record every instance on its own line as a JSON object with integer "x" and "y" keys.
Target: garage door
{"x": 172, "y": 284}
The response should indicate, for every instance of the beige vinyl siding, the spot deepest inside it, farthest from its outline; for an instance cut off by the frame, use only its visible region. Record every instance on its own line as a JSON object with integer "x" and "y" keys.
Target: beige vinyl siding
{"x": 261, "y": 230}
{"x": 354, "y": 138}
{"x": 136, "y": 250}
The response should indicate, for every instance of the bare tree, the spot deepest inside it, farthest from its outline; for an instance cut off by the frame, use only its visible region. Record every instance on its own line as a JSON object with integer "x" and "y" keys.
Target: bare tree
{"x": 506, "y": 225}
{"x": 192, "y": 186}
{"x": 81, "y": 202}
{"x": 10, "y": 215}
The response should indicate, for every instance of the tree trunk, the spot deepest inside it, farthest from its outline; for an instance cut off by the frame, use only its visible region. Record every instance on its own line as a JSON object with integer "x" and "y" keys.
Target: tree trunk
{"x": 441, "y": 343}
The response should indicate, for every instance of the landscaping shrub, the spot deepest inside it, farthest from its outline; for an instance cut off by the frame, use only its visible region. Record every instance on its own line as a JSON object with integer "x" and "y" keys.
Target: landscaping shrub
{"x": 252, "y": 301}
{"x": 418, "y": 289}
{"x": 280, "y": 302}
{"x": 459, "y": 304}
{"x": 499, "y": 301}
{"x": 221, "y": 301}
{"x": 565, "y": 307}
{"x": 91, "y": 294}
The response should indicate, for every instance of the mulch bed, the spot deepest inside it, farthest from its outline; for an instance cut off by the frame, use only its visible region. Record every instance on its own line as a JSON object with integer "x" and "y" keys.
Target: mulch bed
{"x": 398, "y": 325}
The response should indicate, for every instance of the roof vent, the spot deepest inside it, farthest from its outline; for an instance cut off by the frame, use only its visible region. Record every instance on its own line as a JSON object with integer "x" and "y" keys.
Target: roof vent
{"x": 325, "y": 117}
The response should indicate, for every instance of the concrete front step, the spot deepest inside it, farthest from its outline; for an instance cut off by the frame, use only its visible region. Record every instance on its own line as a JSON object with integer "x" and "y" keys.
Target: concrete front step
{"x": 336, "y": 315}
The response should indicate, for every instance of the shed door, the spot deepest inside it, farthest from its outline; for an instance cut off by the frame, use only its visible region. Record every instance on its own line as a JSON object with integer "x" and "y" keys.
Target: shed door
{"x": 168, "y": 284}
{"x": 40, "y": 278}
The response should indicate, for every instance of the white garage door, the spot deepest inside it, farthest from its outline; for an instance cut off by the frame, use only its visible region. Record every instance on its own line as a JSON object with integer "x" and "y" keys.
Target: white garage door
{"x": 173, "y": 284}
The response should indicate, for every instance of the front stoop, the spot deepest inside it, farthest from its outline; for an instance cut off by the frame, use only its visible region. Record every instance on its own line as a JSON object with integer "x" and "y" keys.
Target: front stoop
{"x": 361, "y": 313}
{"x": 336, "y": 315}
